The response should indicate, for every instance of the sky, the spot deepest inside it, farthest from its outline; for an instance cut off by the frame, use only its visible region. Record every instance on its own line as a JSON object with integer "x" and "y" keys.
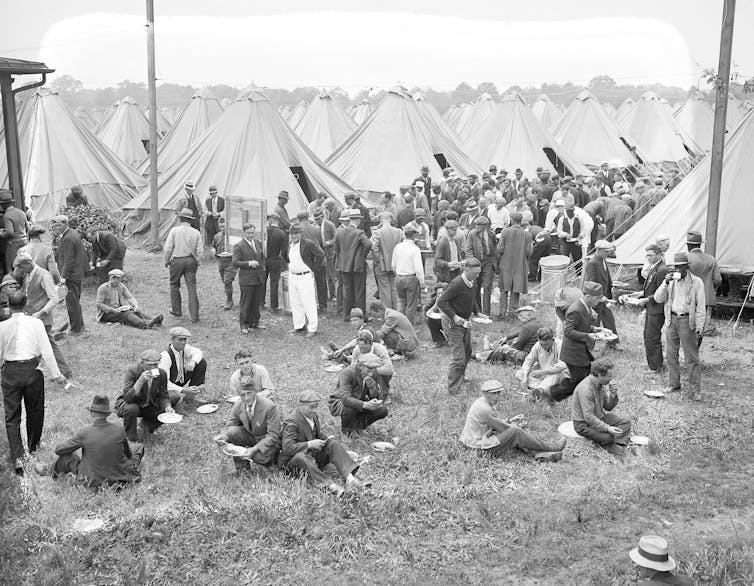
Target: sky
{"x": 357, "y": 45}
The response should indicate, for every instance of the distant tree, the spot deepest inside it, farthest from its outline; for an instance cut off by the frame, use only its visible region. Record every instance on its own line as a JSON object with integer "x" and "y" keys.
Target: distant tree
{"x": 602, "y": 82}
{"x": 137, "y": 91}
{"x": 487, "y": 87}
{"x": 66, "y": 86}
{"x": 464, "y": 93}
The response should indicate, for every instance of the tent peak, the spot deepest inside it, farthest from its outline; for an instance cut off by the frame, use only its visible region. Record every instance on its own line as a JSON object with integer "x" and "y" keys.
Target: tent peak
{"x": 204, "y": 93}
{"x": 251, "y": 93}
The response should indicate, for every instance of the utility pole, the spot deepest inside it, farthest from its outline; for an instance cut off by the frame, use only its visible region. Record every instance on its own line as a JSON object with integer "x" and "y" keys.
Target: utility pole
{"x": 155, "y": 214}
{"x": 718, "y": 136}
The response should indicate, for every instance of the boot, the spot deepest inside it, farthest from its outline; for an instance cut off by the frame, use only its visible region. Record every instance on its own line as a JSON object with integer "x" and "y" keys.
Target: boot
{"x": 228, "y": 296}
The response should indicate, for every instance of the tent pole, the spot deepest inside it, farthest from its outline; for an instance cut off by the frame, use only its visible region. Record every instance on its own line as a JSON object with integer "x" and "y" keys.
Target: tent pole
{"x": 718, "y": 137}
{"x": 155, "y": 224}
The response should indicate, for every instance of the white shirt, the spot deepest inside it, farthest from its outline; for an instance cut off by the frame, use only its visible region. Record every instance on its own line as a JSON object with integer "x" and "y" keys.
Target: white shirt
{"x": 499, "y": 218}
{"x": 296, "y": 264}
{"x": 189, "y": 354}
{"x": 23, "y": 337}
{"x": 407, "y": 260}
{"x": 310, "y": 422}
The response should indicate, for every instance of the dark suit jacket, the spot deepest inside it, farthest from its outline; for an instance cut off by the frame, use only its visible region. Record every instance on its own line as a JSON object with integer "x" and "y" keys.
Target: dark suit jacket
{"x": 311, "y": 253}
{"x": 220, "y": 205}
{"x": 158, "y": 396}
{"x": 352, "y": 389}
{"x": 577, "y": 346}
{"x": 264, "y": 425}
{"x": 242, "y": 255}
{"x": 277, "y": 247}
{"x": 351, "y": 248}
{"x": 296, "y": 432}
{"x": 653, "y": 281}
{"x": 405, "y": 215}
{"x": 704, "y": 266}
{"x": 475, "y": 246}
{"x": 442, "y": 258}
{"x": 73, "y": 261}
{"x": 366, "y": 222}
{"x": 596, "y": 271}
{"x": 108, "y": 247}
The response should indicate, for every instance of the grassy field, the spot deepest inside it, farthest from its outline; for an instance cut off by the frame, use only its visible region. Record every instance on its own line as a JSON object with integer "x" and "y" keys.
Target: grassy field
{"x": 438, "y": 514}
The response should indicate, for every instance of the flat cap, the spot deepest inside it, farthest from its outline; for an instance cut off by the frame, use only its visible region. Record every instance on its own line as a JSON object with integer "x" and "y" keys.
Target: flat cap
{"x": 179, "y": 332}
{"x": 410, "y": 229}
{"x": 116, "y": 273}
{"x": 60, "y": 219}
{"x": 356, "y": 312}
{"x": 386, "y": 215}
{"x": 525, "y": 308}
{"x": 603, "y": 245}
{"x": 419, "y": 212}
{"x": 451, "y": 225}
{"x": 481, "y": 220}
{"x": 22, "y": 257}
{"x": 491, "y": 386}
{"x": 592, "y": 288}
{"x": 370, "y": 360}
{"x": 309, "y": 397}
{"x": 295, "y": 229}
{"x": 152, "y": 356}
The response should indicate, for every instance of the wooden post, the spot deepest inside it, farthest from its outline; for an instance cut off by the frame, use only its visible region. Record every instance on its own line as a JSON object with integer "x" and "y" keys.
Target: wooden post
{"x": 155, "y": 214}
{"x": 718, "y": 137}
{"x": 12, "y": 148}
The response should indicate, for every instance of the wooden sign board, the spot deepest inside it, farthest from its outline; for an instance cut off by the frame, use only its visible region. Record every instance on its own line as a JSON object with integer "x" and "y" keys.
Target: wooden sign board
{"x": 240, "y": 210}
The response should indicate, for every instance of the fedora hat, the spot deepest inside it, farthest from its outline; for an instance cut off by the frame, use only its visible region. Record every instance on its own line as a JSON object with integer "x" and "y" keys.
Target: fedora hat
{"x": 6, "y": 196}
{"x": 187, "y": 213}
{"x": 652, "y": 553}
{"x": 694, "y": 237}
{"x": 680, "y": 258}
{"x": 100, "y": 404}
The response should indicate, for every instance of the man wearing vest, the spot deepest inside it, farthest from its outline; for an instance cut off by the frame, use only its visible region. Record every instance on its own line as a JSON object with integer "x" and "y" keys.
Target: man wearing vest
{"x": 185, "y": 365}
{"x": 215, "y": 208}
{"x": 192, "y": 202}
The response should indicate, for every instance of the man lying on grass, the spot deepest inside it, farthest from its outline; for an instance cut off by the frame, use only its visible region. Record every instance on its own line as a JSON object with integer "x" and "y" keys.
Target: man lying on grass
{"x": 486, "y": 432}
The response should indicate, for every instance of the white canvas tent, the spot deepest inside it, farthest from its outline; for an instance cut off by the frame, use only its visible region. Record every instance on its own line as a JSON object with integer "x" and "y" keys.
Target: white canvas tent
{"x": 685, "y": 208}
{"x": 623, "y": 110}
{"x": 513, "y": 138}
{"x": 362, "y": 111}
{"x": 324, "y": 125}
{"x": 546, "y": 111}
{"x": 58, "y": 152}
{"x": 482, "y": 111}
{"x": 248, "y": 152}
{"x": 465, "y": 114}
{"x": 429, "y": 112}
{"x": 590, "y": 135}
{"x": 297, "y": 113}
{"x": 200, "y": 113}
{"x": 126, "y": 131}
{"x": 163, "y": 126}
{"x": 696, "y": 117}
{"x": 390, "y": 147}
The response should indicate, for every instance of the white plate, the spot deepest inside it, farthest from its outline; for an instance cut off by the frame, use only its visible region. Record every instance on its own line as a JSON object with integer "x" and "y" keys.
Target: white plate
{"x": 208, "y": 408}
{"x": 382, "y": 446}
{"x": 481, "y": 320}
{"x": 234, "y": 450}
{"x": 434, "y": 315}
{"x": 654, "y": 394}
{"x": 606, "y": 337}
{"x": 566, "y": 429}
{"x": 169, "y": 418}
{"x": 640, "y": 440}
{"x": 334, "y": 367}
{"x": 354, "y": 455}
{"x": 232, "y": 398}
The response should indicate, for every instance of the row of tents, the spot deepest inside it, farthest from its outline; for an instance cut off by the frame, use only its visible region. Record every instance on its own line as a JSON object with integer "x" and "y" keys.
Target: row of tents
{"x": 249, "y": 149}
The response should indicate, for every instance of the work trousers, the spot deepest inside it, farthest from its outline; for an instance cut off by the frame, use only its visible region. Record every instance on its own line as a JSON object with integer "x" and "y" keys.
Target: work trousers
{"x": 251, "y": 299}
{"x": 21, "y": 381}
{"x": 708, "y": 326}
{"x": 354, "y": 420}
{"x": 240, "y": 436}
{"x": 320, "y": 280}
{"x": 136, "y": 319}
{"x": 435, "y": 330}
{"x": 504, "y": 353}
{"x": 653, "y": 323}
{"x": 606, "y": 319}
{"x": 459, "y": 340}
{"x": 63, "y": 366}
{"x": 339, "y": 292}
{"x": 313, "y": 461}
{"x": 331, "y": 286}
{"x": 303, "y": 301}
{"x": 211, "y": 228}
{"x": 73, "y": 305}
{"x": 186, "y": 267}
{"x": 565, "y": 390}
{"x": 484, "y": 285}
{"x": 130, "y": 413}
{"x": 227, "y": 276}
{"x": 394, "y": 342}
{"x": 354, "y": 291}
{"x": 514, "y": 299}
{"x": 680, "y": 335}
{"x": 409, "y": 295}
{"x": 196, "y": 377}
{"x": 602, "y": 437}
{"x": 573, "y": 251}
{"x": 516, "y": 438}
{"x": 386, "y": 287}
{"x": 274, "y": 268}
{"x": 69, "y": 464}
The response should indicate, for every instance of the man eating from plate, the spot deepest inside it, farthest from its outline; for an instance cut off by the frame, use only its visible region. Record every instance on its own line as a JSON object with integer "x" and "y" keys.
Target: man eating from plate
{"x": 185, "y": 365}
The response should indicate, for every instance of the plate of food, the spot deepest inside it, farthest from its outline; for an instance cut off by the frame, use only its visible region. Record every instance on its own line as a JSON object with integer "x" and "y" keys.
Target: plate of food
{"x": 654, "y": 394}
{"x": 334, "y": 367}
{"x": 169, "y": 418}
{"x": 481, "y": 320}
{"x": 434, "y": 314}
{"x": 207, "y": 408}
{"x": 235, "y": 451}
{"x": 605, "y": 336}
{"x": 640, "y": 440}
{"x": 630, "y": 300}
{"x": 566, "y": 429}
{"x": 232, "y": 398}
{"x": 382, "y": 446}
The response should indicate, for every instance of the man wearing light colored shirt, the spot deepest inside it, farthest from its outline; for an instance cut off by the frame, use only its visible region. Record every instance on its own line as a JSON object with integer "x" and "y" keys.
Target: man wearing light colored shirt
{"x": 23, "y": 341}
{"x": 408, "y": 266}
{"x": 258, "y": 373}
{"x": 549, "y": 371}
{"x": 498, "y": 215}
{"x": 183, "y": 247}
{"x": 185, "y": 365}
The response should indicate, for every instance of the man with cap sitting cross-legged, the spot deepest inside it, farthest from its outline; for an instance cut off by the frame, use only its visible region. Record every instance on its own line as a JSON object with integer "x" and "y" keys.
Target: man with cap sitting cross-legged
{"x": 185, "y": 365}
{"x": 491, "y": 436}
{"x": 116, "y": 304}
{"x": 107, "y": 457}
{"x": 307, "y": 450}
{"x": 360, "y": 394}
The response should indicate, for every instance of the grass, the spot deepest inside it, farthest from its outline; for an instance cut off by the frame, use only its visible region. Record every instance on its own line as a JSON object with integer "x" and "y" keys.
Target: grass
{"x": 438, "y": 514}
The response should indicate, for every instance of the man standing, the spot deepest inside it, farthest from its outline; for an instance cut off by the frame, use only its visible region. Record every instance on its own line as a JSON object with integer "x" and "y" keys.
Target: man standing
{"x": 185, "y": 365}
{"x": 406, "y": 213}
{"x": 15, "y": 226}
{"x": 449, "y": 253}
{"x": 480, "y": 244}
{"x": 215, "y": 207}
{"x": 41, "y": 253}
{"x": 468, "y": 218}
{"x": 654, "y": 315}
{"x": 313, "y": 233}
{"x": 248, "y": 258}
{"x": 183, "y": 247}
{"x": 284, "y": 221}
{"x": 366, "y": 218}
{"x": 106, "y": 456}
{"x": 425, "y": 180}
{"x": 108, "y": 252}
{"x": 73, "y": 263}
{"x": 569, "y": 230}
{"x": 514, "y": 249}
{"x": 705, "y": 267}
{"x": 684, "y": 299}
{"x": 192, "y": 202}
{"x": 277, "y": 258}
{"x": 384, "y": 241}
{"x": 115, "y": 304}
{"x": 327, "y": 236}
{"x": 317, "y": 204}
{"x": 41, "y": 300}
{"x": 304, "y": 257}
{"x": 23, "y": 341}
{"x": 458, "y": 303}
{"x": 351, "y": 247}
{"x": 598, "y": 272}
{"x": 361, "y": 395}
{"x": 224, "y": 263}
{"x": 408, "y": 267}
{"x": 579, "y": 338}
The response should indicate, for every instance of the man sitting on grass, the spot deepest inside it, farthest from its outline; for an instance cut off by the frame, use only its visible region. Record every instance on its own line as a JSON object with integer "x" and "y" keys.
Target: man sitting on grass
{"x": 258, "y": 373}
{"x": 116, "y": 304}
{"x": 397, "y": 332}
{"x": 254, "y": 423}
{"x": 542, "y": 369}
{"x": 593, "y": 402}
{"x": 384, "y": 371}
{"x": 485, "y": 431}
{"x": 515, "y": 347}
{"x": 185, "y": 365}
{"x": 145, "y": 395}
{"x": 343, "y": 354}
{"x": 106, "y": 456}
{"x": 307, "y": 450}
{"x": 361, "y": 394}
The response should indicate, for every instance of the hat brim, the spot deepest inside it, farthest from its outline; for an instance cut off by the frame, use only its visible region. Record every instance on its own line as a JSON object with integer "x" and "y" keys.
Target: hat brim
{"x": 640, "y": 560}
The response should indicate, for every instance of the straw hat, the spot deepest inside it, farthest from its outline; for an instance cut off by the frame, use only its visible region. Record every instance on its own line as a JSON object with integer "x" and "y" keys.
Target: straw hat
{"x": 652, "y": 553}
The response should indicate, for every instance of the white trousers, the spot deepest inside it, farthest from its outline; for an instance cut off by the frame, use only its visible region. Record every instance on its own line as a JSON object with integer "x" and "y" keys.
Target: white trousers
{"x": 303, "y": 297}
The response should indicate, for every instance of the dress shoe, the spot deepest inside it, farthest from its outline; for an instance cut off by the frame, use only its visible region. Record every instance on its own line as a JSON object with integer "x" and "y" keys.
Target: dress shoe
{"x": 176, "y": 314}
{"x": 297, "y": 331}
{"x": 18, "y": 466}
{"x": 43, "y": 469}
{"x": 228, "y": 306}
{"x": 259, "y": 327}
{"x": 354, "y": 482}
{"x": 548, "y": 456}
{"x": 310, "y": 334}
{"x": 156, "y": 321}
{"x": 671, "y": 390}
{"x": 57, "y": 336}
{"x": 245, "y": 330}
{"x": 437, "y": 345}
